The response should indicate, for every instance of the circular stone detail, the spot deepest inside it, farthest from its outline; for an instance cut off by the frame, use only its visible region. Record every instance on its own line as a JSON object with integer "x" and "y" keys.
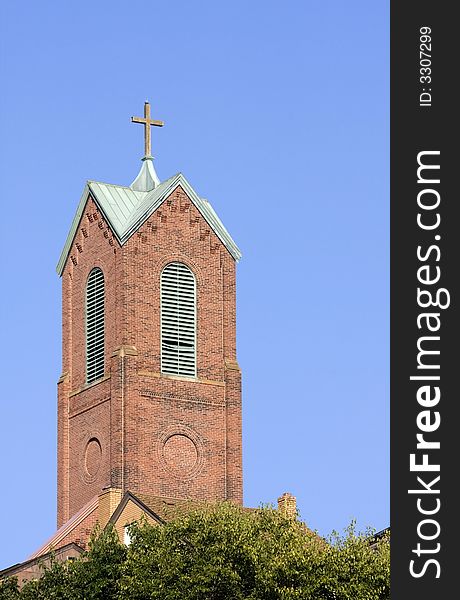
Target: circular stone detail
{"x": 180, "y": 454}
{"x": 93, "y": 456}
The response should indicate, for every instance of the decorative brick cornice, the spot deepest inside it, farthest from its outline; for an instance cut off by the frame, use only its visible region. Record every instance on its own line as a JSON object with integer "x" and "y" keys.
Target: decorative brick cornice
{"x": 63, "y": 378}
{"x": 124, "y": 351}
{"x": 232, "y": 365}
{"x": 146, "y": 373}
{"x": 87, "y": 386}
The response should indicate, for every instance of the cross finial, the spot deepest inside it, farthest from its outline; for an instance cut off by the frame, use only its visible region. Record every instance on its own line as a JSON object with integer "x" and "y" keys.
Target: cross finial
{"x": 147, "y": 122}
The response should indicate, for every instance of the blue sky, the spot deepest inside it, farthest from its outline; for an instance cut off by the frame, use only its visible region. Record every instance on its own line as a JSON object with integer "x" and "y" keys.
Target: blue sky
{"x": 278, "y": 113}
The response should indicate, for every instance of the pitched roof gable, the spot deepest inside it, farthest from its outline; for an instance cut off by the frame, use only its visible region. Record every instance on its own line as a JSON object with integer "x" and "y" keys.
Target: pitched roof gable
{"x": 18, "y": 568}
{"x": 67, "y": 527}
{"x": 159, "y": 508}
{"x": 126, "y": 210}
{"x": 128, "y": 496}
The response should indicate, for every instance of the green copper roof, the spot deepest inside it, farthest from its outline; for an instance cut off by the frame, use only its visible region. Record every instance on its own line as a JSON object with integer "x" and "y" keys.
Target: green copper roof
{"x": 126, "y": 210}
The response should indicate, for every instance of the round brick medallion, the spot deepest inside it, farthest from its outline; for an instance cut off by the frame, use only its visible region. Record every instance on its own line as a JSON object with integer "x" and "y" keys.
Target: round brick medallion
{"x": 180, "y": 454}
{"x": 93, "y": 458}
{"x": 181, "y": 451}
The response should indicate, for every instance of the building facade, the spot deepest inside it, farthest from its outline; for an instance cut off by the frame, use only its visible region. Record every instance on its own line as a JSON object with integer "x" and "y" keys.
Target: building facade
{"x": 150, "y": 394}
{"x": 149, "y": 400}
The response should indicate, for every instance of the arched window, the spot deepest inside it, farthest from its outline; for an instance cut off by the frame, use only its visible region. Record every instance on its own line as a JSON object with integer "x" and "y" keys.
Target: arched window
{"x": 178, "y": 320}
{"x": 95, "y": 300}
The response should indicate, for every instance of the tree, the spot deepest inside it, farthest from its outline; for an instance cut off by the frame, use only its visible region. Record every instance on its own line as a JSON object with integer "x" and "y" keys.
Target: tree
{"x": 228, "y": 553}
{"x": 221, "y": 552}
{"x": 9, "y": 588}
{"x": 93, "y": 576}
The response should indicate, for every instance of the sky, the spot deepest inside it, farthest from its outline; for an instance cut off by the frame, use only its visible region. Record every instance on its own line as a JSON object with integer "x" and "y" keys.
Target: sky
{"x": 278, "y": 114}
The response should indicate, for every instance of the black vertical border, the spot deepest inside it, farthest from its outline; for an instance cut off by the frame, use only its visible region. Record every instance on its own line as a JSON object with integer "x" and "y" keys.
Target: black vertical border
{"x": 416, "y": 128}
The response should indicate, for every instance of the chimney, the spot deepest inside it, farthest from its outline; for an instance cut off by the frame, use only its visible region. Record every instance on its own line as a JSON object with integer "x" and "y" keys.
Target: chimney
{"x": 109, "y": 499}
{"x": 287, "y": 504}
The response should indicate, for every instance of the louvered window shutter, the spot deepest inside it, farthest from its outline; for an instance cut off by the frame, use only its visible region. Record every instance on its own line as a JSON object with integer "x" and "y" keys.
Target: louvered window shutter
{"x": 95, "y": 299}
{"x": 178, "y": 320}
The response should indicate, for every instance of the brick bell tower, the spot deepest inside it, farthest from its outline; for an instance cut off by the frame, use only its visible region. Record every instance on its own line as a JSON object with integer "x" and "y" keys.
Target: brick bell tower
{"x": 149, "y": 399}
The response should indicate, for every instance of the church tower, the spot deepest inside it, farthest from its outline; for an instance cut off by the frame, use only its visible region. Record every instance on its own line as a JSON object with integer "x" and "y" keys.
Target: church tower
{"x": 149, "y": 399}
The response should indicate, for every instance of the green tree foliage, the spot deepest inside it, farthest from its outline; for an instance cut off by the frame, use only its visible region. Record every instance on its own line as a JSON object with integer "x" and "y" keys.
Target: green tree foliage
{"x": 9, "y": 588}
{"x": 221, "y": 553}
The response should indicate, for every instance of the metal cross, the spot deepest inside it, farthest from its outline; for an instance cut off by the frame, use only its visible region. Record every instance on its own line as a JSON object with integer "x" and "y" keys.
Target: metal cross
{"x": 147, "y": 122}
